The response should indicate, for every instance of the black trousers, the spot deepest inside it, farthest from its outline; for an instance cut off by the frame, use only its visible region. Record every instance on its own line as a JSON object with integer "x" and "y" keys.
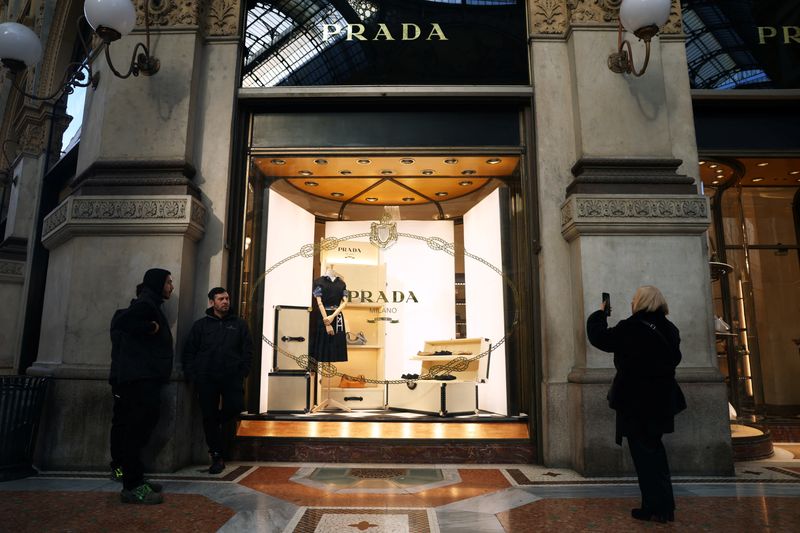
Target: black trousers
{"x": 118, "y": 425}
{"x": 221, "y": 401}
{"x": 137, "y": 408}
{"x": 652, "y": 469}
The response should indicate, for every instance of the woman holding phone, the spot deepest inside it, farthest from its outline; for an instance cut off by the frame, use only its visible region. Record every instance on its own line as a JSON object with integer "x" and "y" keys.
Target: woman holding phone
{"x": 644, "y": 392}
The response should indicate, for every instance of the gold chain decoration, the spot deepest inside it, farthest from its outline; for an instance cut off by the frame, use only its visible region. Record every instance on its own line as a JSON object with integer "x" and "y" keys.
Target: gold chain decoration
{"x": 329, "y": 370}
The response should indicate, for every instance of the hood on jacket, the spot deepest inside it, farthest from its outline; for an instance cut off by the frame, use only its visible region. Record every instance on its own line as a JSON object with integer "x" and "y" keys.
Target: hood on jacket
{"x": 154, "y": 280}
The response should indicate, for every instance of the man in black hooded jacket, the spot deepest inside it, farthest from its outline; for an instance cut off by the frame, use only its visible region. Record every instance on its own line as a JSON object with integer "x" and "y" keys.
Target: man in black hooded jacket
{"x": 217, "y": 357}
{"x": 141, "y": 366}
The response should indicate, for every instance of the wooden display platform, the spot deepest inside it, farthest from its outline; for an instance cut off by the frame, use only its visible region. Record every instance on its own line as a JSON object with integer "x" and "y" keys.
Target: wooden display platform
{"x": 355, "y": 441}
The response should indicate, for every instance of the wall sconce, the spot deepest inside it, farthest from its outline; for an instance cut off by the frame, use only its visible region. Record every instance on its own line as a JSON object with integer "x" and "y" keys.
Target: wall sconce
{"x": 20, "y": 47}
{"x": 643, "y": 18}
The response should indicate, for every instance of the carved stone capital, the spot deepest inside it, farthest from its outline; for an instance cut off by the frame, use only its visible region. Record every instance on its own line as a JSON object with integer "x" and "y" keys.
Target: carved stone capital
{"x": 222, "y": 18}
{"x": 631, "y": 175}
{"x": 132, "y": 215}
{"x": 548, "y": 17}
{"x": 170, "y": 13}
{"x": 554, "y": 18}
{"x": 124, "y": 177}
{"x": 31, "y": 125}
{"x": 634, "y": 215}
{"x": 12, "y": 271}
{"x": 603, "y": 12}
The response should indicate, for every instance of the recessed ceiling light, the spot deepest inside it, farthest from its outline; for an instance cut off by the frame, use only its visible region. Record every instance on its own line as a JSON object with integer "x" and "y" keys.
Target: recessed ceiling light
{"x": 451, "y": 161}
{"x": 337, "y": 194}
{"x": 306, "y": 173}
{"x": 345, "y": 172}
{"x": 493, "y": 161}
{"x": 441, "y": 193}
{"x": 407, "y": 161}
{"x": 468, "y": 172}
{"x": 278, "y": 162}
{"x": 762, "y": 164}
{"x": 794, "y": 172}
{"x": 756, "y": 180}
{"x": 720, "y": 171}
{"x": 387, "y": 172}
{"x": 714, "y": 182}
{"x": 465, "y": 183}
{"x": 371, "y": 199}
{"x": 363, "y": 161}
{"x": 427, "y": 172}
{"x": 321, "y": 161}
{"x": 713, "y": 166}
{"x": 701, "y": 163}
{"x": 408, "y": 199}
{"x": 311, "y": 184}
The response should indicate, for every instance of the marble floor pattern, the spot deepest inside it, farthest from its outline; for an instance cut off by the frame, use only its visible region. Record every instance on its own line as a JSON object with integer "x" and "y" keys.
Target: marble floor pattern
{"x": 333, "y": 498}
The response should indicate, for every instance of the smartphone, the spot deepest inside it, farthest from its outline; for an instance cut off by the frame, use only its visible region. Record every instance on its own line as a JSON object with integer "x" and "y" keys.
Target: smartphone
{"x": 607, "y": 301}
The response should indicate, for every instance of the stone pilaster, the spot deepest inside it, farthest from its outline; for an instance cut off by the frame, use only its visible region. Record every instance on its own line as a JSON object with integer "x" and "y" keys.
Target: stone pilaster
{"x": 620, "y": 161}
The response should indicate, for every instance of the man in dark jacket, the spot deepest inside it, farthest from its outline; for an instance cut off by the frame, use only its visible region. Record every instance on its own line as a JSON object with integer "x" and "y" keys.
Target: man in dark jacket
{"x": 142, "y": 364}
{"x": 217, "y": 358}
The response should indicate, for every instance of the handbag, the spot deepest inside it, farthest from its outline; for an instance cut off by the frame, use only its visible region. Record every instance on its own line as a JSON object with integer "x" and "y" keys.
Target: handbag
{"x": 350, "y": 382}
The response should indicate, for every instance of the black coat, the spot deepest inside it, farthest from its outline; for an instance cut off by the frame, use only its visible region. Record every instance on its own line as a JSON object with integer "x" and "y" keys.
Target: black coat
{"x": 139, "y": 352}
{"x": 644, "y": 393}
{"x": 217, "y": 348}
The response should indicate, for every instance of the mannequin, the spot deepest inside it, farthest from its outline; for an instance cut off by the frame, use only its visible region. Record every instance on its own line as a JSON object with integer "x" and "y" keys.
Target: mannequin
{"x": 329, "y": 337}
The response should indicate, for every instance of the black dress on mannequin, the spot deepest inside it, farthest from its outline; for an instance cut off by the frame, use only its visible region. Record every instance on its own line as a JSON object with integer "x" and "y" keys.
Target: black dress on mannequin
{"x": 323, "y": 347}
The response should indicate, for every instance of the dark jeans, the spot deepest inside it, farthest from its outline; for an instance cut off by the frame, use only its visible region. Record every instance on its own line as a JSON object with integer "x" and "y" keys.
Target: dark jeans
{"x": 137, "y": 407}
{"x": 652, "y": 469}
{"x": 221, "y": 401}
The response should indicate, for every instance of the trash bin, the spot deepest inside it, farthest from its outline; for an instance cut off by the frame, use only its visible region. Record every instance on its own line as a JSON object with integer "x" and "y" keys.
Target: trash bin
{"x": 21, "y": 402}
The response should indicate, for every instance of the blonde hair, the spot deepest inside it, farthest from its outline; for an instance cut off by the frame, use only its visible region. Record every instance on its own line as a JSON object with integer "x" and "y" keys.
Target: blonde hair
{"x": 649, "y": 299}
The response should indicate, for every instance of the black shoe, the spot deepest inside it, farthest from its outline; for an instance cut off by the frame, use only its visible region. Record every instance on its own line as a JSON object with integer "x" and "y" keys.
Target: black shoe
{"x": 156, "y": 487}
{"x": 217, "y": 464}
{"x": 650, "y": 516}
{"x": 446, "y": 377}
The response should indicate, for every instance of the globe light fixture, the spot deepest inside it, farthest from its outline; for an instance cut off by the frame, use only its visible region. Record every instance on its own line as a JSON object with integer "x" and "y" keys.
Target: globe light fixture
{"x": 643, "y": 18}
{"x": 111, "y": 20}
{"x": 19, "y": 46}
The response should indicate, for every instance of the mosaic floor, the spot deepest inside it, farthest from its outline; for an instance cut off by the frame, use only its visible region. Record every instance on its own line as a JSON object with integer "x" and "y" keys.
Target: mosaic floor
{"x": 327, "y": 498}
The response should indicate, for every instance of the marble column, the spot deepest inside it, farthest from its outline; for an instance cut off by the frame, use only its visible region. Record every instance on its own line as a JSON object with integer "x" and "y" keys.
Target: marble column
{"x": 620, "y": 207}
{"x": 150, "y": 190}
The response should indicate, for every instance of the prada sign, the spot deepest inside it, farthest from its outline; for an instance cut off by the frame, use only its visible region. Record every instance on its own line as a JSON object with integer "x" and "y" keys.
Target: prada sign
{"x": 385, "y": 42}
{"x": 761, "y": 40}
{"x": 407, "y": 32}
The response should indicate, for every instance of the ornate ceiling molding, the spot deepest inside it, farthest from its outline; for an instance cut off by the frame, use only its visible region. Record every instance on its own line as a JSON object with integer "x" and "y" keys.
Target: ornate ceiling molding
{"x": 132, "y": 215}
{"x": 548, "y": 17}
{"x": 222, "y": 18}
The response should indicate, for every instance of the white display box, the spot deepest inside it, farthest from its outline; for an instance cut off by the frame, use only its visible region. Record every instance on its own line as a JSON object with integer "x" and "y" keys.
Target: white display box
{"x": 443, "y": 398}
{"x": 290, "y": 392}
{"x": 358, "y": 398}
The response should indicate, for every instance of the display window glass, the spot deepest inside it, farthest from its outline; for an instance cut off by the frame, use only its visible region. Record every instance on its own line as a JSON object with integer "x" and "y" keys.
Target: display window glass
{"x": 408, "y": 253}
{"x": 756, "y": 267}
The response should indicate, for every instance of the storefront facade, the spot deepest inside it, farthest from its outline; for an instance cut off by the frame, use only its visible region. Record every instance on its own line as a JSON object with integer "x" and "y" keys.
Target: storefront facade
{"x": 519, "y": 176}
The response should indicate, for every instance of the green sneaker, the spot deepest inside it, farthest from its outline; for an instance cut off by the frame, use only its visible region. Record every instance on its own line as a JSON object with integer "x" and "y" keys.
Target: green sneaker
{"x": 142, "y": 494}
{"x": 116, "y": 473}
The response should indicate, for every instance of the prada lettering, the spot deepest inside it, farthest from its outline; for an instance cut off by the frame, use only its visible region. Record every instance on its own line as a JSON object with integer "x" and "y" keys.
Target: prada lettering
{"x": 348, "y": 249}
{"x": 405, "y": 32}
{"x": 789, "y": 34}
{"x": 371, "y": 297}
